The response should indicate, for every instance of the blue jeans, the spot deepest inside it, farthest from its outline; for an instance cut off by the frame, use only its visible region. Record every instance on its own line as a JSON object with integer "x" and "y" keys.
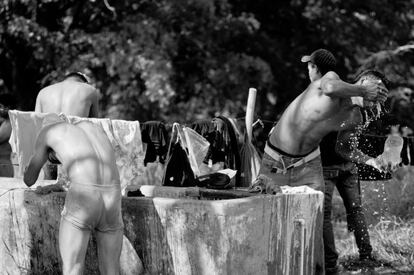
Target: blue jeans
{"x": 348, "y": 187}
{"x": 309, "y": 173}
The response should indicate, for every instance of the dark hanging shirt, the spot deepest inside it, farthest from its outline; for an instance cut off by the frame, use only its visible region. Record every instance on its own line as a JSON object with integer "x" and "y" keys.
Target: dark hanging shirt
{"x": 328, "y": 153}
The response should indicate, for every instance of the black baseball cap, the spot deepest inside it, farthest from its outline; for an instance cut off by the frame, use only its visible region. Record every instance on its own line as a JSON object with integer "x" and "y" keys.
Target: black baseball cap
{"x": 322, "y": 58}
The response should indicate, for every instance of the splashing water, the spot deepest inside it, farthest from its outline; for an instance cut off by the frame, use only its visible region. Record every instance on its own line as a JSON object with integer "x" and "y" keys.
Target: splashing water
{"x": 370, "y": 116}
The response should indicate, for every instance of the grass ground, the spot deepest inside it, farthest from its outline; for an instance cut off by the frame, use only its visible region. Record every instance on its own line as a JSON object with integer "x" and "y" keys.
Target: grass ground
{"x": 389, "y": 211}
{"x": 393, "y": 245}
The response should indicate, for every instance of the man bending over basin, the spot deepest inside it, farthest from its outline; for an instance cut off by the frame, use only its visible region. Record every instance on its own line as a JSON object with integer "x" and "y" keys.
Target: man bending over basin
{"x": 93, "y": 201}
{"x": 73, "y": 96}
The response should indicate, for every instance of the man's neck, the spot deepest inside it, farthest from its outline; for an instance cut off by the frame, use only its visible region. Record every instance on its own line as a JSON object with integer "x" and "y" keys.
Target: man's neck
{"x": 73, "y": 79}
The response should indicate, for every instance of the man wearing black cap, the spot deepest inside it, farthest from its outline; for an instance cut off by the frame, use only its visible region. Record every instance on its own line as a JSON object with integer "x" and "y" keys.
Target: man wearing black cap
{"x": 292, "y": 155}
{"x": 319, "y": 62}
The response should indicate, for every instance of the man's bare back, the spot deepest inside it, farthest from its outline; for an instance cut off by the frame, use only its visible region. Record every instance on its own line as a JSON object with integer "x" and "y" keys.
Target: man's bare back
{"x": 83, "y": 149}
{"x": 71, "y": 97}
{"x": 320, "y": 109}
{"x": 93, "y": 201}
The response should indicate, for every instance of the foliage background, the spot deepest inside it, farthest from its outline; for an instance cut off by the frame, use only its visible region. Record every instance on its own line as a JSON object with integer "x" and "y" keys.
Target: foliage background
{"x": 182, "y": 60}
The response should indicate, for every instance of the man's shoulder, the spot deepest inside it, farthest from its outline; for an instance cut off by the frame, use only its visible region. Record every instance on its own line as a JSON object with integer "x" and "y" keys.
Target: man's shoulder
{"x": 55, "y": 131}
{"x": 87, "y": 88}
{"x": 330, "y": 75}
{"x": 49, "y": 89}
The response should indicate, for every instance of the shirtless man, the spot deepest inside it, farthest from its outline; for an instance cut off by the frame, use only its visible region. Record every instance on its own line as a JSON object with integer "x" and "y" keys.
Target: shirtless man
{"x": 6, "y": 166}
{"x": 73, "y": 96}
{"x": 7, "y": 102}
{"x": 93, "y": 201}
{"x": 292, "y": 154}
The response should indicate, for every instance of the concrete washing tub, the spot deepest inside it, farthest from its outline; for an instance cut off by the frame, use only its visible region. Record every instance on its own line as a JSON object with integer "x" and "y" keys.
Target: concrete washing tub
{"x": 173, "y": 231}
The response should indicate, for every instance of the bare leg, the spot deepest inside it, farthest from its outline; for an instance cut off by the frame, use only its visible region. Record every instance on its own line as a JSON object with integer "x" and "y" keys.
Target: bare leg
{"x": 109, "y": 251}
{"x": 73, "y": 243}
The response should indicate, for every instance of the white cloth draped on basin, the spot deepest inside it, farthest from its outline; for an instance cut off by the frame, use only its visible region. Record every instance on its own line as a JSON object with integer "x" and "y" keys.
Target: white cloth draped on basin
{"x": 125, "y": 137}
{"x": 128, "y": 150}
{"x": 25, "y": 128}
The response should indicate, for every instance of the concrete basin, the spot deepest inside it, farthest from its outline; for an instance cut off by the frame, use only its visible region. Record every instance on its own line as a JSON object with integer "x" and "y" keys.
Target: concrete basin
{"x": 173, "y": 231}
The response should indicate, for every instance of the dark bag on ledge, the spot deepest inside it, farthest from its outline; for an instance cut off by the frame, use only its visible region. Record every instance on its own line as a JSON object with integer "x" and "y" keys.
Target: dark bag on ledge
{"x": 214, "y": 181}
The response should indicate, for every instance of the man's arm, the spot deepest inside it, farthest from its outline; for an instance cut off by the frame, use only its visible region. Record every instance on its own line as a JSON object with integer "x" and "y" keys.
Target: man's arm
{"x": 5, "y": 131}
{"x": 37, "y": 160}
{"x": 94, "y": 112}
{"x": 38, "y": 107}
{"x": 346, "y": 147}
{"x": 333, "y": 86}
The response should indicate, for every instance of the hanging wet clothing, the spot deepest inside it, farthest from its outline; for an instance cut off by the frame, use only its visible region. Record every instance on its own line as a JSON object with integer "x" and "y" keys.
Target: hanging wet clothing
{"x": 203, "y": 127}
{"x": 208, "y": 129}
{"x": 328, "y": 151}
{"x": 155, "y": 136}
{"x": 185, "y": 155}
{"x": 228, "y": 145}
{"x": 371, "y": 142}
{"x": 178, "y": 169}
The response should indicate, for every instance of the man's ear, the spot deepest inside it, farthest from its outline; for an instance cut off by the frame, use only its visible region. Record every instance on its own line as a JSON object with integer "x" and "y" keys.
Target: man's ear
{"x": 319, "y": 72}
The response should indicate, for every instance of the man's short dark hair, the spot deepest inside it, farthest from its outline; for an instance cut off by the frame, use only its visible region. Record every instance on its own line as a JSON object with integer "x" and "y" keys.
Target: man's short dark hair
{"x": 323, "y": 59}
{"x": 78, "y": 75}
{"x": 7, "y": 102}
{"x": 373, "y": 74}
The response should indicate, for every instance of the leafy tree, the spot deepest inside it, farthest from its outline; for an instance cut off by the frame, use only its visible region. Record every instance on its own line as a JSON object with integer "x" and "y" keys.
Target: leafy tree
{"x": 181, "y": 60}
{"x": 397, "y": 66}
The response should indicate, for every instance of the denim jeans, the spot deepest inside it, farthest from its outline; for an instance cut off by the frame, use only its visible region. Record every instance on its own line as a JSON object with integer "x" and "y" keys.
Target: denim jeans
{"x": 309, "y": 173}
{"x": 348, "y": 187}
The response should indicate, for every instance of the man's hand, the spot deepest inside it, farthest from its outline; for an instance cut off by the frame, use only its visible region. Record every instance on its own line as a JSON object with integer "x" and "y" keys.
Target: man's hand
{"x": 264, "y": 185}
{"x": 375, "y": 91}
{"x": 373, "y": 163}
{"x": 381, "y": 164}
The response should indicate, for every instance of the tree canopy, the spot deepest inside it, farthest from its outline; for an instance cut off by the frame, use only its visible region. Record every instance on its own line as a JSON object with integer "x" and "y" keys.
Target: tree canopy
{"x": 182, "y": 60}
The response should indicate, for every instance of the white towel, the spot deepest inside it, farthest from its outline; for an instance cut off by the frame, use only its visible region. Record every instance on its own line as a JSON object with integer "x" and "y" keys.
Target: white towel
{"x": 303, "y": 189}
{"x": 25, "y": 128}
{"x": 125, "y": 137}
{"x": 128, "y": 151}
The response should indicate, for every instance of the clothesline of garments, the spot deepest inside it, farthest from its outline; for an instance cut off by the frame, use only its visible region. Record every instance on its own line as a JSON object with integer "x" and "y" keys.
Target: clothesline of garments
{"x": 155, "y": 153}
{"x": 150, "y": 152}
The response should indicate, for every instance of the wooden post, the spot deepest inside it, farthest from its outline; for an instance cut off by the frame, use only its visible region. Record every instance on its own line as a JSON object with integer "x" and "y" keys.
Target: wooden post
{"x": 251, "y": 102}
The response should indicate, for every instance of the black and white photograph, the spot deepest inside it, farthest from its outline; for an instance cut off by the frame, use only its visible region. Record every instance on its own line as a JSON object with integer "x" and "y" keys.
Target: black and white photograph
{"x": 207, "y": 137}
